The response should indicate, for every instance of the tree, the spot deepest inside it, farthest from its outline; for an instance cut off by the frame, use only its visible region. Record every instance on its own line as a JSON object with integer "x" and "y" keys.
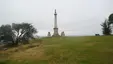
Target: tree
{"x": 17, "y": 32}
{"x": 111, "y": 18}
{"x": 106, "y": 28}
{"x": 23, "y": 31}
{"x": 6, "y": 33}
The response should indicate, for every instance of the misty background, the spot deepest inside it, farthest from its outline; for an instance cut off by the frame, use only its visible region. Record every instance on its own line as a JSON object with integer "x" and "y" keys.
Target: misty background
{"x": 75, "y": 17}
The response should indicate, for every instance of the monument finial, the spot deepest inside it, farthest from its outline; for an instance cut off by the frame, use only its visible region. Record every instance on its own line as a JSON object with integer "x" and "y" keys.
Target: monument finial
{"x": 55, "y": 11}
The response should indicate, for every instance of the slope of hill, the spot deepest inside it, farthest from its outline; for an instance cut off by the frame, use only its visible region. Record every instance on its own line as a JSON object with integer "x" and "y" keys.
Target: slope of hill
{"x": 65, "y": 50}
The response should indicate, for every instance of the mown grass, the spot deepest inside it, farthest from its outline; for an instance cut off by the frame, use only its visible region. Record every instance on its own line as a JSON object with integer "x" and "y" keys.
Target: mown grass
{"x": 67, "y": 50}
{"x": 80, "y": 50}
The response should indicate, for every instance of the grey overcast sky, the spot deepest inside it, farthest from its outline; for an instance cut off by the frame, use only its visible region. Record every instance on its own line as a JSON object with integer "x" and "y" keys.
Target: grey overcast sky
{"x": 75, "y": 17}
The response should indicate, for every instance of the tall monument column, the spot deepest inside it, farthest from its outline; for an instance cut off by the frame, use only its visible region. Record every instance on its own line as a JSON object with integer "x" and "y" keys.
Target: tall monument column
{"x": 55, "y": 25}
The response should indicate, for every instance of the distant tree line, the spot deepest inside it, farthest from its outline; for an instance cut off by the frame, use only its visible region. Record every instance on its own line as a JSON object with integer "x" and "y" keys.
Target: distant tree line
{"x": 17, "y": 33}
{"x": 107, "y": 25}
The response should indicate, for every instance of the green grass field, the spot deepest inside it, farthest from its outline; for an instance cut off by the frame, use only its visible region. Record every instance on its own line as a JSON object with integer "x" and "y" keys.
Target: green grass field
{"x": 64, "y": 50}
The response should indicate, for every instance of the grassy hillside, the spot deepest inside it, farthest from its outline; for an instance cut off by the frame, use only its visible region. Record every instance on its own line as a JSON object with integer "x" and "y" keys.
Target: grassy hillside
{"x": 64, "y": 50}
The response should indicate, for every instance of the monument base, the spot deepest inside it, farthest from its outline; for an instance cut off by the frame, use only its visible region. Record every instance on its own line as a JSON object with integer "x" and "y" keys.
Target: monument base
{"x": 55, "y": 35}
{"x": 55, "y": 32}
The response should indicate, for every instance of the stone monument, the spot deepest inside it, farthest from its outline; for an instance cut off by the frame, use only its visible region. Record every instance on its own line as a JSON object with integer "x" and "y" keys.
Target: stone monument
{"x": 55, "y": 34}
{"x": 49, "y": 34}
{"x": 62, "y": 33}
